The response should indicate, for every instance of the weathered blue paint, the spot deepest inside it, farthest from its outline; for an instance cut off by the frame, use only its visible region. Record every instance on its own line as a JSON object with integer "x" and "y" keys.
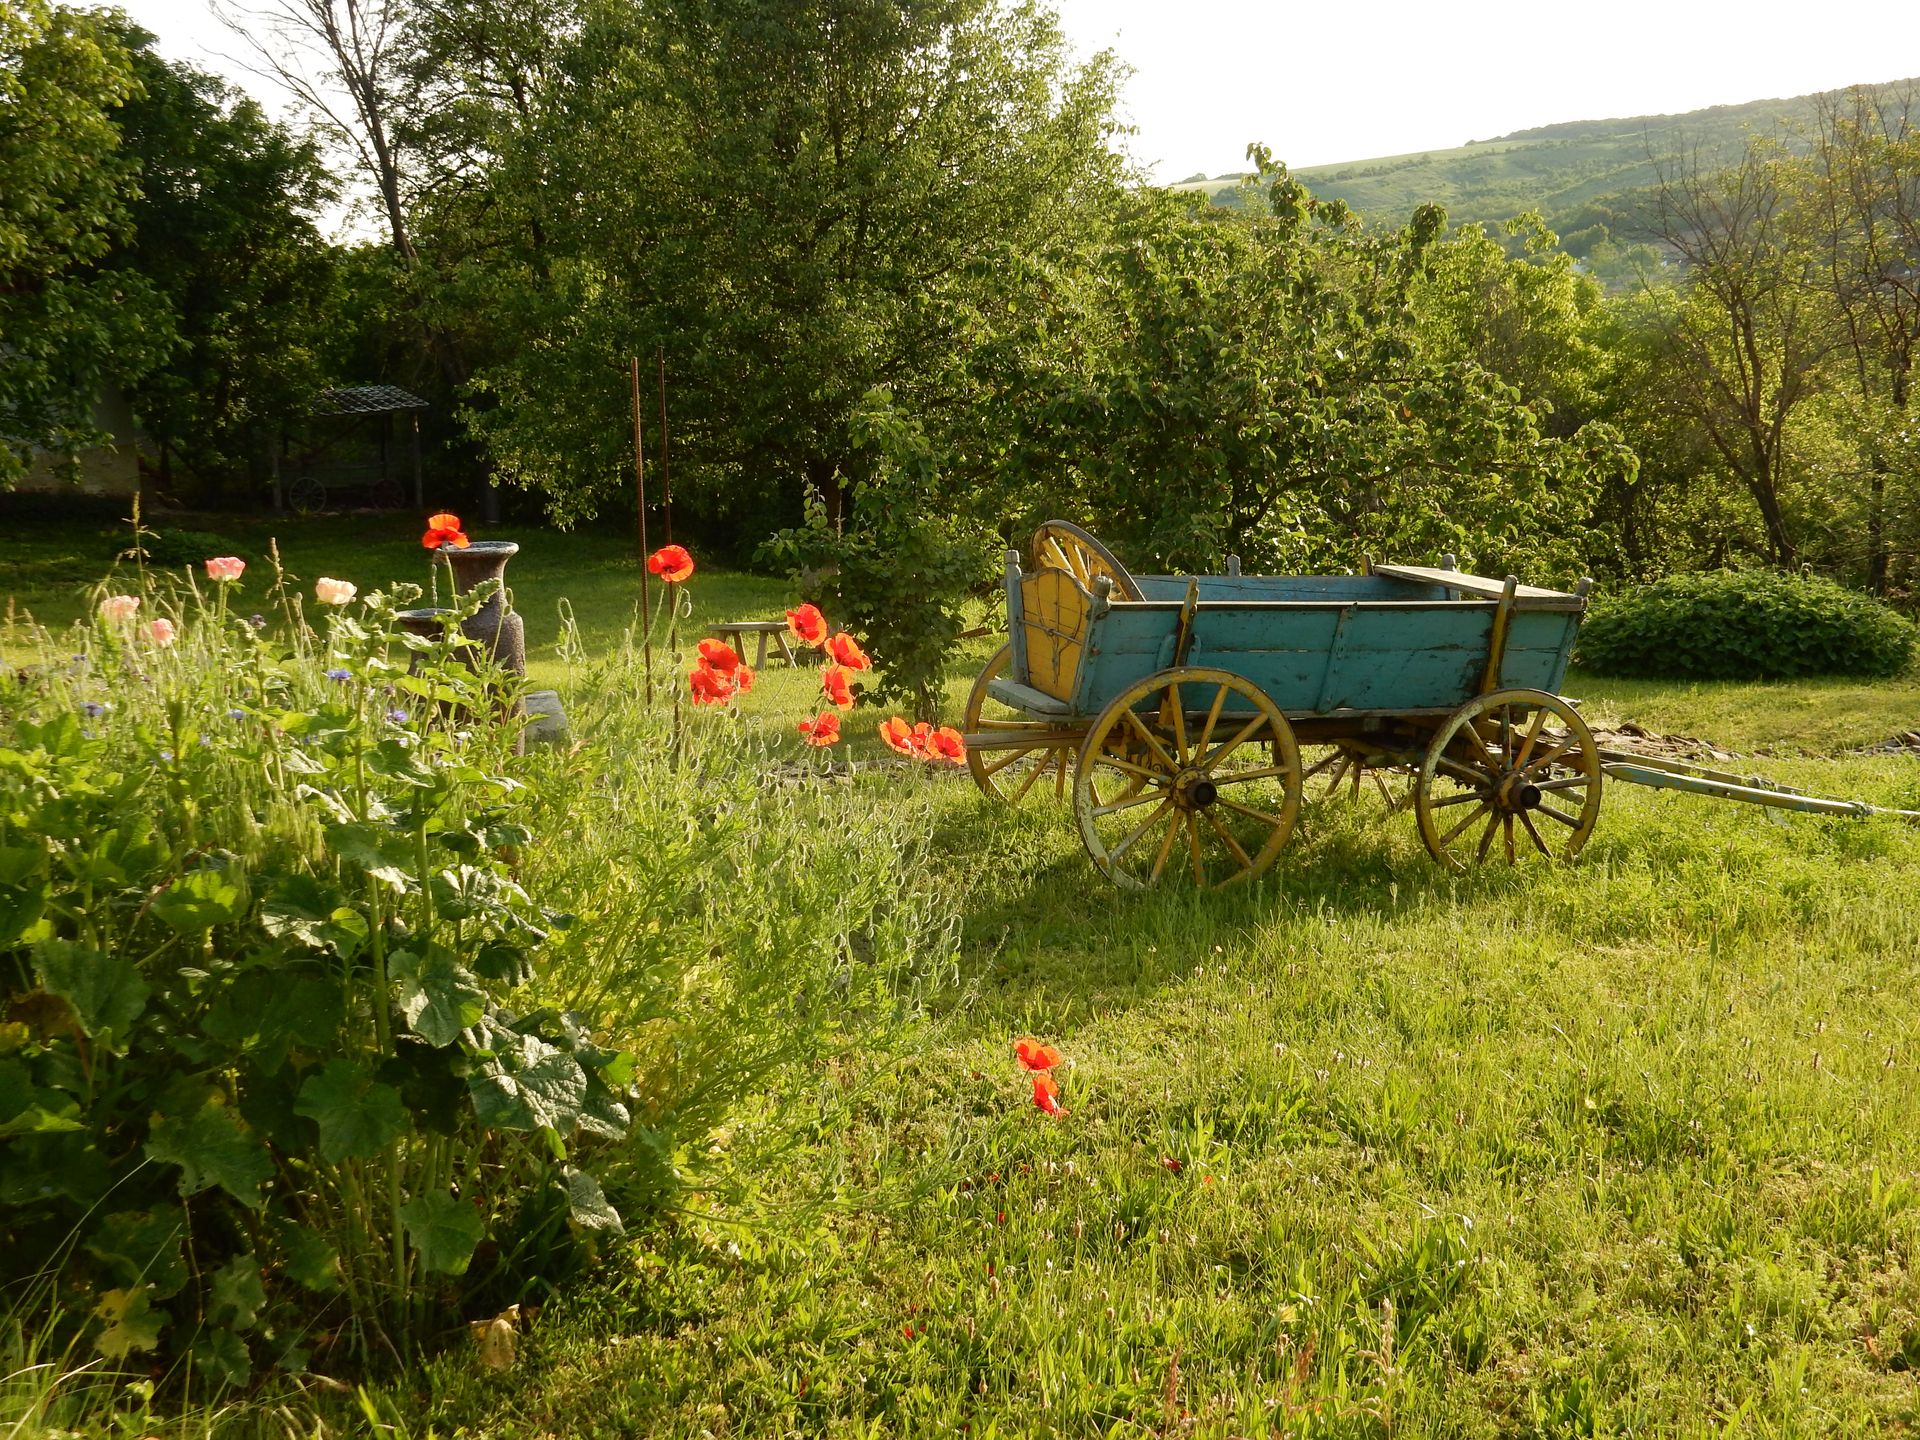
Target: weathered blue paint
{"x": 1318, "y": 644}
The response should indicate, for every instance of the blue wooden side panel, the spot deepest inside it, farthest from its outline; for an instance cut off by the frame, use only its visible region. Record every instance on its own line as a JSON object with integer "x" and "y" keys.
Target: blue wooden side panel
{"x": 1288, "y": 587}
{"x": 1317, "y": 658}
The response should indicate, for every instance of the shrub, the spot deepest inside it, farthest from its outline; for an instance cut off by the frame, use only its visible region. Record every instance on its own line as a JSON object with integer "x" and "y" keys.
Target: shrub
{"x": 1744, "y": 625}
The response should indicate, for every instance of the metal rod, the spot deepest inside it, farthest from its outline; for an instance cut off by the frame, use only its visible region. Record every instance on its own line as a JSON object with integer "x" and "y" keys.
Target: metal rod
{"x": 640, "y": 496}
{"x": 666, "y": 485}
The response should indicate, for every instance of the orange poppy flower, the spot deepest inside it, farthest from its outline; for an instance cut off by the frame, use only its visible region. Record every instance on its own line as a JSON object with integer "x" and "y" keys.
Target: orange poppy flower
{"x": 823, "y": 729}
{"x": 719, "y": 655}
{"x": 1032, "y": 1055}
{"x": 671, "y": 563}
{"x": 708, "y": 685}
{"x": 1046, "y": 1095}
{"x": 808, "y": 625}
{"x": 898, "y": 735}
{"x": 945, "y": 744}
{"x": 846, "y": 651}
{"x": 833, "y": 680}
{"x": 444, "y": 529}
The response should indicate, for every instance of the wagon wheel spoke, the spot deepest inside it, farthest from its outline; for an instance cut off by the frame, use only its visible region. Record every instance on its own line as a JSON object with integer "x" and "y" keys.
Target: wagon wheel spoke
{"x": 1226, "y": 838}
{"x": 1507, "y": 758}
{"x": 1179, "y": 724}
{"x": 1193, "y": 846}
{"x": 1213, "y": 718}
{"x": 1144, "y": 826}
{"x": 1265, "y": 772}
{"x": 1251, "y": 813}
{"x": 1227, "y": 747}
{"x": 1322, "y": 763}
{"x": 1153, "y": 743}
{"x": 1009, "y": 775}
{"x": 1166, "y": 849}
{"x": 1128, "y": 803}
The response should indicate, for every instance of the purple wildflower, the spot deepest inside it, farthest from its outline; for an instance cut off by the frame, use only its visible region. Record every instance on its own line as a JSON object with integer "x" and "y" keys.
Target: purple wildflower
{"x": 93, "y": 708}
{"x": 339, "y": 674}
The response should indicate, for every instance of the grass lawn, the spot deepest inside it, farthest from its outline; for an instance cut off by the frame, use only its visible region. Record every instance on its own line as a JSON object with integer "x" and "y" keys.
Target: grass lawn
{"x": 1363, "y": 1149}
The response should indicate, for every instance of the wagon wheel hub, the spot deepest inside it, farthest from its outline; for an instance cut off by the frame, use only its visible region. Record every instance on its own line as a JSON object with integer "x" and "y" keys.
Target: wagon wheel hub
{"x": 1194, "y": 790}
{"x": 1516, "y": 793}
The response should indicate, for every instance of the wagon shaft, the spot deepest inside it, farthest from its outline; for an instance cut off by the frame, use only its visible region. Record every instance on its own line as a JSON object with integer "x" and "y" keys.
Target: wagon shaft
{"x": 1663, "y": 774}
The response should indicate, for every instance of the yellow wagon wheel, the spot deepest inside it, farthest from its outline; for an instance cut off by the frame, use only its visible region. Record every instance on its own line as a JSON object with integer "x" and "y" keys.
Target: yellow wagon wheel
{"x": 1190, "y": 771}
{"x": 1359, "y": 770}
{"x": 1010, "y": 774}
{"x": 1062, "y": 545}
{"x": 1509, "y": 774}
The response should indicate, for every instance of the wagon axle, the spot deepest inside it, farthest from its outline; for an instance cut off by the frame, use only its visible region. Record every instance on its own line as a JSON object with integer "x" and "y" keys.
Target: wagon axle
{"x": 1195, "y": 790}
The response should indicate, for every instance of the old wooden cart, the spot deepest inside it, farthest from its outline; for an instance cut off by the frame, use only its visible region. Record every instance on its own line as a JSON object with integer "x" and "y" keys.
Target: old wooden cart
{"x": 1176, "y": 711}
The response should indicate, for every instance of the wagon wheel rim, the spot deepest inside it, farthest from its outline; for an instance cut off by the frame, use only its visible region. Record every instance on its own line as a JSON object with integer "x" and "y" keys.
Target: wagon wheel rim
{"x": 1511, "y": 775}
{"x": 1062, "y": 545}
{"x": 1011, "y": 775}
{"x": 306, "y": 496}
{"x": 1354, "y": 772}
{"x": 1191, "y": 774}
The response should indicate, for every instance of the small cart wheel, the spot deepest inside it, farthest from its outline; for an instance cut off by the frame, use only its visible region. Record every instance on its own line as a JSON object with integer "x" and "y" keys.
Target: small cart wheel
{"x": 1511, "y": 773}
{"x": 1191, "y": 770}
{"x": 1062, "y": 545}
{"x": 1009, "y": 774}
{"x": 306, "y": 496}
{"x": 1354, "y": 766}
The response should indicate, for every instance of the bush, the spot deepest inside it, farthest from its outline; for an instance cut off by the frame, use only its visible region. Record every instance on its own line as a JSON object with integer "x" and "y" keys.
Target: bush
{"x": 1743, "y": 625}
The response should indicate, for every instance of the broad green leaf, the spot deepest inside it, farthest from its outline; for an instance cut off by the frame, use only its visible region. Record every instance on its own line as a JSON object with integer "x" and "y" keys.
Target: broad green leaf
{"x": 105, "y": 991}
{"x": 212, "y": 1146}
{"x": 444, "y": 1230}
{"x": 221, "y": 1356}
{"x": 530, "y": 1085}
{"x": 142, "y": 1247}
{"x": 587, "y": 1204}
{"x": 203, "y": 898}
{"x": 358, "y": 1116}
{"x": 438, "y": 996}
{"x": 382, "y": 853}
{"x": 132, "y": 1322}
{"x": 310, "y": 1260}
{"x": 238, "y": 1295}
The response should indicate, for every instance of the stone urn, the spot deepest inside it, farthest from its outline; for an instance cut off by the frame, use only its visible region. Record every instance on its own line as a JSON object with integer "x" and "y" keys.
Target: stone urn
{"x": 494, "y": 626}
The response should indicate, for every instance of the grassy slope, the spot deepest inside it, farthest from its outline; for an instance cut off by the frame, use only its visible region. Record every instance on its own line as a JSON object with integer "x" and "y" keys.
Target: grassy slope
{"x": 1555, "y": 169}
{"x": 1623, "y": 1145}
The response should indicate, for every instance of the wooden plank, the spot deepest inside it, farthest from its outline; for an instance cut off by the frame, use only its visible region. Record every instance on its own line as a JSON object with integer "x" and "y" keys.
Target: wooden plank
{"x": 1526, "y": 597}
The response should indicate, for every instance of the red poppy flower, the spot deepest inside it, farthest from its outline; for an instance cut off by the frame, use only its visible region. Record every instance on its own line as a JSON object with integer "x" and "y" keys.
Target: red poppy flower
{"x": 743, "y": 678}
{"x": 898, "y": 735}
{"x": 719, "y": 655}
{"x": 671, "y": 563}
{"x": 808, "y": 625}
{"x": 833, "y": 680}
{"x": 1172, "y": 1165}
{"x": 1046, "y": 1095}
{"x": 922, "y": 733}
{"x": 822, "y": 730}
{"x": 444, "y": 529}
{"x": 846, "y": 651}
{"x": 946, "y": 745}
{"x": 1033, "y": 1055}
{"x": 708, "y": 685}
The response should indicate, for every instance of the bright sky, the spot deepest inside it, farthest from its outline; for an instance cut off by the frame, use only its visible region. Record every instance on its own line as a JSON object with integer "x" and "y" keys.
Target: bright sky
{"x": 1355, "y": 79}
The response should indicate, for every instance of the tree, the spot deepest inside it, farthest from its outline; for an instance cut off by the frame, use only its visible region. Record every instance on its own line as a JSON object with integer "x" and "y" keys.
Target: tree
{"x": 246, "y": 298}
{"x": 1864, "y": 195}
{"x": 1746, "y": 345}
{"x": 67, "y": 328}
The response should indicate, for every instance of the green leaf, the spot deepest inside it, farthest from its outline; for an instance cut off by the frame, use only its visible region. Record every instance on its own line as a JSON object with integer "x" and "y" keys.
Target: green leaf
{"x": 214, "y": 894}
{"x": 587, "y": 1204}
{"x": 310, "y": 1260}
{"x": 444, "y": 1230}
{"x": 238, "y": 1295}
{"x": 383, "y": 854}
{"x": 132, "y": 1322}
{"x": 530, "y": 1085}
{"x": 438, "y": 996}
{"x": 221, "y": 1356}
{"x": 142, "y": 1247}
{"x": 358, "y": 1116}
{"x": 105, "y": 991}
{"x": 212, "y": 1146}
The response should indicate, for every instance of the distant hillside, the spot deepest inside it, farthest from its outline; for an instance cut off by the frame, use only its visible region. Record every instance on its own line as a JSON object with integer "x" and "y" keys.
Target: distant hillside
{"x": 1580, "y": 174}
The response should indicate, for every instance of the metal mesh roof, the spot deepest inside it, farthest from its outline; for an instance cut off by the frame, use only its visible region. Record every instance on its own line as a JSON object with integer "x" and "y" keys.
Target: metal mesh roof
{"x": 365, "y": 400}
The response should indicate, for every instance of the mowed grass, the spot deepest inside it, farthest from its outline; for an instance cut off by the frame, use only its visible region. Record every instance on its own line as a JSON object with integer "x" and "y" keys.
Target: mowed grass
{"x": 1363, "y": 1149}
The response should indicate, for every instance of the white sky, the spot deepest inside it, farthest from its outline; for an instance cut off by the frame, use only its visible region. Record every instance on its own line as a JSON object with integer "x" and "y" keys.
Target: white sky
{"x": 1355, "y": 79}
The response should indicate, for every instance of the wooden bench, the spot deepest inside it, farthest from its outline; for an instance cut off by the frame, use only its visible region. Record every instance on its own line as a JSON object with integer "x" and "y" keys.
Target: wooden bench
{"x": 735, "y": 633}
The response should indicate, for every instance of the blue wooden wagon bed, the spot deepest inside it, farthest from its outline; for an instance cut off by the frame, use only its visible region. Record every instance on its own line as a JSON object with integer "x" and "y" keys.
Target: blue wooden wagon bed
{"x": 1176, "y": 708}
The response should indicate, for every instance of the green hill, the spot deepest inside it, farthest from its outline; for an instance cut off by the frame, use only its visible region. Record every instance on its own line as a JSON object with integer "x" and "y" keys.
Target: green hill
{"x": 1580, "y": 174}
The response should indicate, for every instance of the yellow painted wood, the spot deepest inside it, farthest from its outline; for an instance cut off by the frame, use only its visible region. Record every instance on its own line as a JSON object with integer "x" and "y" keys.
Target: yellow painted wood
{"x": 1053, "y": 615}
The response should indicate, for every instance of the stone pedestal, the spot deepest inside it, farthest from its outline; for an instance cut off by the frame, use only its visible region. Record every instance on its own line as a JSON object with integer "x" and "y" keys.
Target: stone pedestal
{"x": 494, "y": 626}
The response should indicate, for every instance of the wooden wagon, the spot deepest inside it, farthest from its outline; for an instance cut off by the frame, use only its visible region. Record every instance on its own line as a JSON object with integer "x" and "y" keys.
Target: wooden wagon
{"x": 1176, "y": 709}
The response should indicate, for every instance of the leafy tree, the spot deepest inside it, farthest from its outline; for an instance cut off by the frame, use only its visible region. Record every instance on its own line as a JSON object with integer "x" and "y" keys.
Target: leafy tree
{"x": 67, "y": 328}
{"x": 247, "y": 298}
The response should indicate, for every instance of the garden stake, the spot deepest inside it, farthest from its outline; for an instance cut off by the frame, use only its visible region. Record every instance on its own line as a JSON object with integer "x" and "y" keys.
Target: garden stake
{"x": 640, "y": 496}
{"x": 666, "y": 484}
